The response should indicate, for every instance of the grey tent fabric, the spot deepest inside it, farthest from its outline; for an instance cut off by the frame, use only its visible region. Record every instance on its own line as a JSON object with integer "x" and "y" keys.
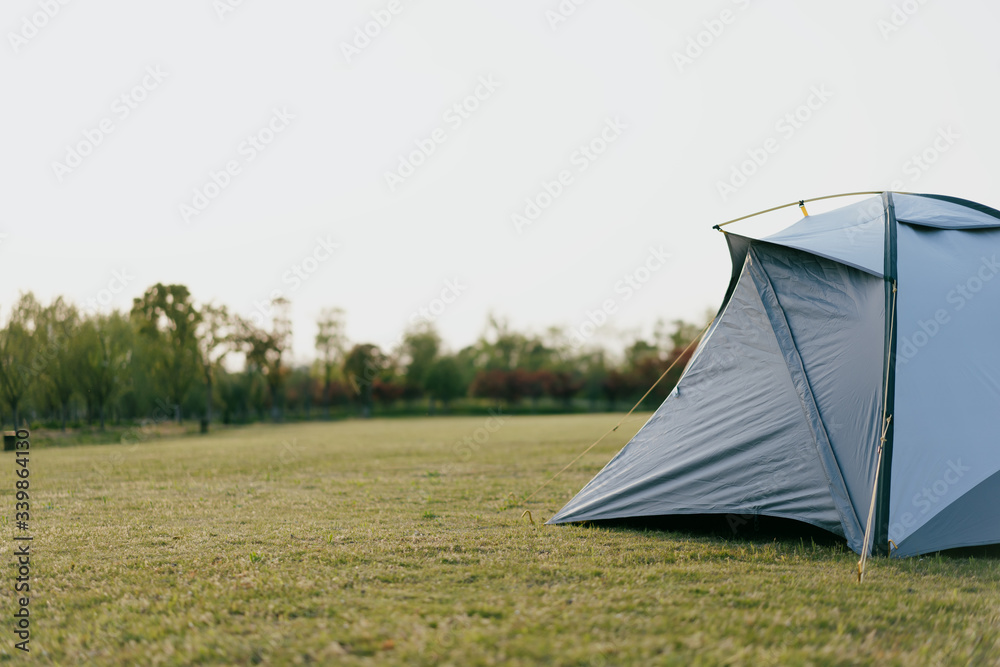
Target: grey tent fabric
{"x": 764, "y": 355}
{"x": 944, "y": 212}
{"x": 967, "y": 522}
{"x": 671, "y": 467}
{"x": 947, "y": 373}
{"x": 853, "y": 235}
{"x": 843, "y": 359}
{"x": 780, "y": 410}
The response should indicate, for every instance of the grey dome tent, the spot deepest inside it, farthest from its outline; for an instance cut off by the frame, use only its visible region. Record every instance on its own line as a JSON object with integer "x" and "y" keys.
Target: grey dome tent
{"x": 855, "y": 344}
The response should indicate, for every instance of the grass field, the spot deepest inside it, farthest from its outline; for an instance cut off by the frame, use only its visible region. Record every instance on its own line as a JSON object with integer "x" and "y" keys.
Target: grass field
{"x": 399, "y": 542}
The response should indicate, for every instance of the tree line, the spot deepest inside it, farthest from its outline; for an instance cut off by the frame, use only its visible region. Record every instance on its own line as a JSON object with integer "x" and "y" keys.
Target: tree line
{"x": 60, "y": 366}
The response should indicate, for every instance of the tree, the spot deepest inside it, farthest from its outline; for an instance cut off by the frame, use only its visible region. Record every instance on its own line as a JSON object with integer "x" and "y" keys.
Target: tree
{"x": 533, "y": 384}
{"x": 387, "y": 390}
{"x": 265, "y": 351}
{"x": 303, "y": 390}
{"x": 445, "y": 381}
{"x": 18, "y": 348}
{"x": 499, "y": 385}
{"x": 362, "y": 367}
{"x": 168, "y": 322}
{"x": 60, "y": 322}
{"x": 331, "y": 342}
{"x": 500, "y": 347}
{"x": 215, "y": 339}
{"x": 638, "y": 352}
{"x": 615, "y": 385}
{"x": 418, "y": 351}
{"x": 232, "y": 393}
{"x": 537, "y": 355}
{"x": 564, "y": 385}
{"x": 594, "y": 372}
{"x": 102, "y": 350}
{"x": 685, "y": 332}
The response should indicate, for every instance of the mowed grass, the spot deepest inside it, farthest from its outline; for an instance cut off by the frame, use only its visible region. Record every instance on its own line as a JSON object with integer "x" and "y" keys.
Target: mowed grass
{"x": 399, "y": 542}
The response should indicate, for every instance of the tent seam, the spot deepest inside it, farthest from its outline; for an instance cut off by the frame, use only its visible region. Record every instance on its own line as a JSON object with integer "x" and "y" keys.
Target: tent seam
{"x": 839, "y": 482}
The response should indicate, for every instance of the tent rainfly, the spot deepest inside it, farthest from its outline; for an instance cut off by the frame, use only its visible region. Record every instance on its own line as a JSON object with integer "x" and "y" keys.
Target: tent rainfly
{"x": 855, "y": 344}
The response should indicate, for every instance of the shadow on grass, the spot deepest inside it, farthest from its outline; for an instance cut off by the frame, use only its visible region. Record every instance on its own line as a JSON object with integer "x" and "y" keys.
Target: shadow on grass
{"x": 989, "y": 551}
{"x": 747, "y": 529}
{"x": 728, "y": 528}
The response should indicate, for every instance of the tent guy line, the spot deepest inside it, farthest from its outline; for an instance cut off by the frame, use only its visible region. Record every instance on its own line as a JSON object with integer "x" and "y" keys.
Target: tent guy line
{"x": 569, "y": 465}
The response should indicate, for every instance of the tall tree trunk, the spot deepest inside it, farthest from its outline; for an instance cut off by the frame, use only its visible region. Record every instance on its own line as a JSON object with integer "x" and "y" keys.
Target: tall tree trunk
{"x": 102, "y": 415}
{"x": 64, "y": 408}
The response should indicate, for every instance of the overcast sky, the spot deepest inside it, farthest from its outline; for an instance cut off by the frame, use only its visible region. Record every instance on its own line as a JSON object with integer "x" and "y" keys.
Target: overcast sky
{"x": 223, "y": 144}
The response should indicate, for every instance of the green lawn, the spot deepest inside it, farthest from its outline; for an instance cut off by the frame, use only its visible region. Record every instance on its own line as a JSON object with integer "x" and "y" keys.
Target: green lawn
{"x": 395, "y": 542}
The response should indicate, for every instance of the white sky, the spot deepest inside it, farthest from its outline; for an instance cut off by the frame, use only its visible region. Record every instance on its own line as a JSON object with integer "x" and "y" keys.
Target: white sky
{"x": 890, "y": 96}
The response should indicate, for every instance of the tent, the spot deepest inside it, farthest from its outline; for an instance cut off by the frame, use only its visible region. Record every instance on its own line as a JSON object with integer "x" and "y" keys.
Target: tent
{"x": 856, "y": 346}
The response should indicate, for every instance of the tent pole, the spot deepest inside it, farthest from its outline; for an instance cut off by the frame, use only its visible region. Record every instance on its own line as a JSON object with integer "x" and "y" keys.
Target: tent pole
{"x": 881, "y": 532}
{"x": 801, "y": 203}
{"x": 865, "y": 549}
